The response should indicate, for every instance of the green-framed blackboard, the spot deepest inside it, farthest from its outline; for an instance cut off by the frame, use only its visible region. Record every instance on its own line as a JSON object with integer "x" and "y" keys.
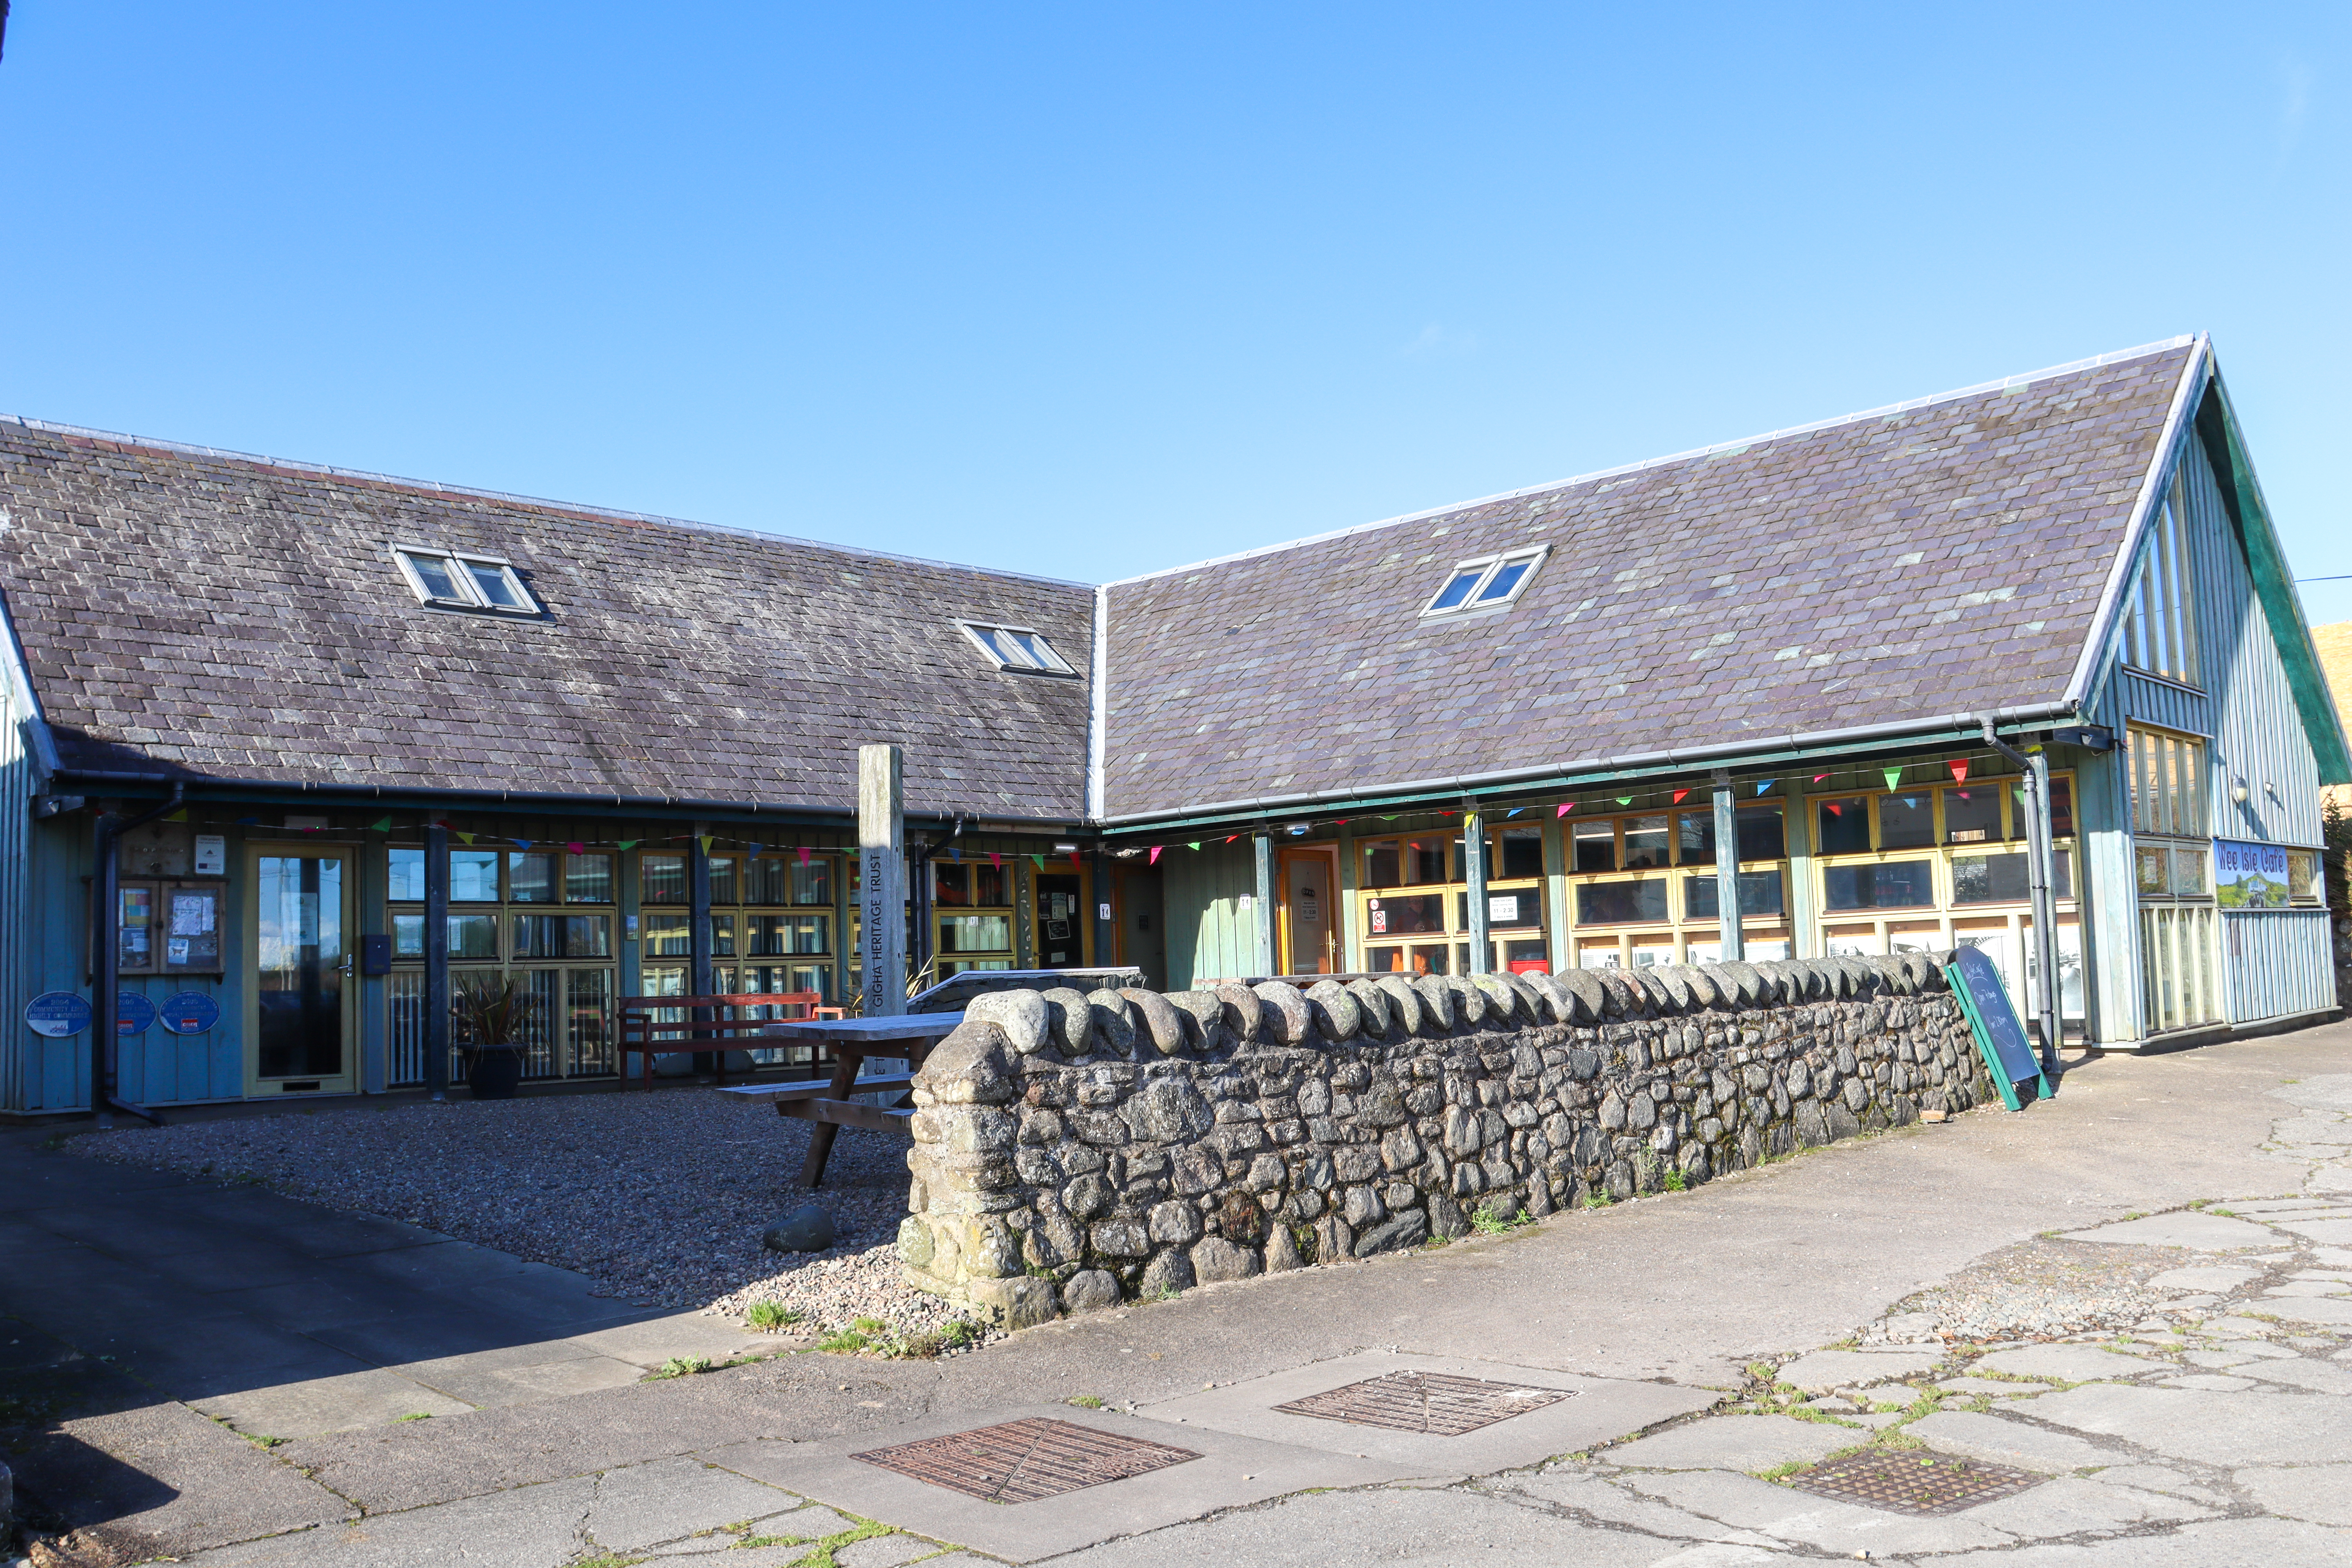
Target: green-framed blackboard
{"x": 2000, "y": 1035}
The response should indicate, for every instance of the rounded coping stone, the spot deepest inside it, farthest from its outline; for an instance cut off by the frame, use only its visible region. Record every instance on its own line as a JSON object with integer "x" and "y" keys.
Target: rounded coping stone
{"x": 1072, "y": 1018}
{"x": 1678, "y": 986}
{"x": 1112, "y": 1016}
{"x": 1502, "y": 1001}
{"x": 1204, "y": 1012}
{"x": 1287, "y": 1013}
{"x": 1559, "y": 999}
{"x": 1376, "y": 1006}
{"x": 1027, "y": 1023}
{"x": 1469, "y": 1002}
{"x": 1534, "y": 1003}
{"x": 1661, "y": 999}
{"x": 1407, "y": 1006}
{"x": 1617, "y": 990}
{"x": 1710, "y": 985}
{"x": 1161, "y": 1022}
{"x": 1440, "y": 1006}
{"x": 1337, "y": 1013}
{"x": 1244, "y": 1012}
{"x": 1592, "y": 996}
{"x": 1750, "y": 984}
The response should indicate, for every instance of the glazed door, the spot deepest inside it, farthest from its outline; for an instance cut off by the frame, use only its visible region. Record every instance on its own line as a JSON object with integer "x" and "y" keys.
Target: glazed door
{"x": 298, "y": 1031}
{"x": 1311, "y": 913}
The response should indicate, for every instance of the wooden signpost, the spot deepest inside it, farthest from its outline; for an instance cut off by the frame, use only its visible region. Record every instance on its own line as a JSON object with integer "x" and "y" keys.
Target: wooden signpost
{"x": 2000, "y": 1036}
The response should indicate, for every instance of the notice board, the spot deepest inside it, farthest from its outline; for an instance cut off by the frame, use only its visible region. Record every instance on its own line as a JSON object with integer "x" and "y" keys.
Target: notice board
{"x": 2000, "y": 1033}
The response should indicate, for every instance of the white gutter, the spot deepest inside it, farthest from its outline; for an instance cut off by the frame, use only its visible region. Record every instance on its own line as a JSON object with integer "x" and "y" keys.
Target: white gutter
{"x": 2106, "y": 622}
{"x": 1623, "y": 763}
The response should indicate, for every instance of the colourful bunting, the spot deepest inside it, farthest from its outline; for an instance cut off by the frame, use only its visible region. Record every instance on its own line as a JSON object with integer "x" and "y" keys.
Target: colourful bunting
{"x": 1155, "y": 856}
{"x": 527, "y": 843}
{"x": 708, "y": 840}
{"x": 465, "y": 838}
{"x": 249, "y": 822}
{"x": 1764, "y": 784}
{"x": 633, "y": 843}
{"x": 1624, "y": 800}
{"x": 383, "y": 827}
{"x": 1836, "y": 808}
{"x": 752, "y": 850}
{"x": 804, "y": 855}
{"x": 1192, "y": 846}
{"x": 1819, "y": 777}
{"x": 1515, "y": 811}
{"x": 1679, "y": 796}
{"x": 1040, "y": 861}
{"x": 994, "y": 857}
{"x": 1959, "y": 766}
{"x": 1564, "y": 810}
{"x": 575, "y": 848}
{"x": 1893, "y": 775}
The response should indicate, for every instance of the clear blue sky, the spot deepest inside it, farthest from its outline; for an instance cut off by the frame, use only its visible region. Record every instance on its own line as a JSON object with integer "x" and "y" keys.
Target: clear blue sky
{"x": 1092, "y": 290}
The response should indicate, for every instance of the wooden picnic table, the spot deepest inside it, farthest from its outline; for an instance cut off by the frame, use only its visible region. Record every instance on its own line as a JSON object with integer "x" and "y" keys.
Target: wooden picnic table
{"x": 827, "y": 1101}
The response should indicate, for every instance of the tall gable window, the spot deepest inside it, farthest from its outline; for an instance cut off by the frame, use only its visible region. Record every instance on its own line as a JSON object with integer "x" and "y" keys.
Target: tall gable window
{"x": 457, "y": 582}
{"x": 1489, "y": 583}
{"x": 1016, "y": 650}
{"x": 2161, "y": 615}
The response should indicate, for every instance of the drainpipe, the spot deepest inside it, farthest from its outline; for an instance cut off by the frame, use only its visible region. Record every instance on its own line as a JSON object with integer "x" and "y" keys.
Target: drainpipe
{"x": 106, "y": 953}
{"x": 2039, "y": 868}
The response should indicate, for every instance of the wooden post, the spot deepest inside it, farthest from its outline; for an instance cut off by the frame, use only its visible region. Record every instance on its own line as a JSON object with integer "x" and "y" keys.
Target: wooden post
{"x": 1726, "y": 871}
{"x": 2041, "y": 874}
{"x": 1473, "y": 873}
{"x": 1263, "y": 956}
{"x": 1098, "y": 900}
{"x": 882, "y": 878}
{"x": 697, "y": 934}
{"x": 436, "y": 1029}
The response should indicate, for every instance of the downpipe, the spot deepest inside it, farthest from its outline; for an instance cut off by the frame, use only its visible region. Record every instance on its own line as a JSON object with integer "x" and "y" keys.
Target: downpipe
{"x": 2039, "y": 867}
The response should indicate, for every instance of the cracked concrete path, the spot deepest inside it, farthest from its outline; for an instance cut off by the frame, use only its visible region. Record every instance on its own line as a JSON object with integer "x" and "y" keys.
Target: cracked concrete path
{"x": 2065, "y": 1293}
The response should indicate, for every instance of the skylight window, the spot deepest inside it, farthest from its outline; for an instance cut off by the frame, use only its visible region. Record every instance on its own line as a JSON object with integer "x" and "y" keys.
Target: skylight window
{"x": 1489, "y": 583}
{"x": 458, "y": 582}
{"x": 1016, "y": 650}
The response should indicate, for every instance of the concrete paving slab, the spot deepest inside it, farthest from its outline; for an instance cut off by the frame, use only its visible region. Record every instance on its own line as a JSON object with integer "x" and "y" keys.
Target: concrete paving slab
{"x": 558, "y": 1298}
{"x": 2260, "y": 1349}
{"x": 651, "y": 1340}
{"x": 323, "y": 1301}
{"x": 2334, "y": 1232}
{"x": 20, "y": 1237}
{"x": 1990, "y": 1385}
{"x": 2221, "y": 1277}
{"x": 1599, "y": 1410}
{"x": 1826, "y": 1370}
{"x": 2201, "y": 1543}
{"x": 1232, "y": 1472}
{"x": 346, "y": 1403}
{"x": 2068, "y": 1506}
{"x": 1572, "y": 1485}
{"x": 884, "y": 1551}
{"x": 1790, "y": 1515}
{"x": 425, "y": 1336}
{"x": 2069, "y": 1363}
{"x": 2211, "y": 1380}
{"x": 1734, "y": 1443}
{"x": 441, "y": 1265}
{"x": 1397, "y": 1527}
{"x": 334, "y": 1234}
{"x": 637, "y": 1507}
{"x": 529, "y": 1527}
{"x": 1999, "y": 1440}
{"x": 2321, "y": 1377}
{"x": 2160, "y": 1478}
{"x": 2225, "y": 1429}
{"x": 234, "y": 1263}
{"x": 2320, "y": 1309}
{"x": 2185, "y": 1228}
{"x": 2307, "y": 1288}
{"x": 2321, "y": 1494}
{"x": 198, "y": 1355}
{"x": 522, "y": 1383}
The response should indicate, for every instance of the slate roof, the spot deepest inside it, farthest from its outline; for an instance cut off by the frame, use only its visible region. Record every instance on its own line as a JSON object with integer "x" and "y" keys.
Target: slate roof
{"x": 1948, "y": 556}
{"x": 235, "y": 617}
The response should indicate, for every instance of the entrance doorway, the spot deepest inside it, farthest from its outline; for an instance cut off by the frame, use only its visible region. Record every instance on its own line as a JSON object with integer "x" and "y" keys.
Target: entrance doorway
{"x": 1142, "y": 936}
{"x": 1310, "y": 911}
{"x": 300, "y": 1010}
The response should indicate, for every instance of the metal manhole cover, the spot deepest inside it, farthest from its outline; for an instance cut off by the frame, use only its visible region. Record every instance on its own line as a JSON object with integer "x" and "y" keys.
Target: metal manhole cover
{"x": 1425, "y": 1402}
{"x": 1022, "y": 1462}
{"x": 1907, "y": 1481}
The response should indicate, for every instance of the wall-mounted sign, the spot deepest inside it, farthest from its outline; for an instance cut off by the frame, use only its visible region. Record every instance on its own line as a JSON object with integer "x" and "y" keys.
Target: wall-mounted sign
{"x": 189, "y": 1013}
{"x": 2249, "y": 876}
{"x": 212, "y": 855}
{"x": 133, "y": 1014}
{"x": 58, "y": 1014}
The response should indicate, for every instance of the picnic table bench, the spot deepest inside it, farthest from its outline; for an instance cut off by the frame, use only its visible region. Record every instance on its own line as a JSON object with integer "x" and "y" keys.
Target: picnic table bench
{"x": 827, "y": 1101}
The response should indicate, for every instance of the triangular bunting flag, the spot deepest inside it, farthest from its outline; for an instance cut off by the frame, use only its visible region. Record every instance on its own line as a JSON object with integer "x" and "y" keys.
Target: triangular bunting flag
{"x": 383, "y": 827}
{"x": 994, "y": 857}
{"x": 708, "y": 840}
{"x": 1819, "y": 777}
{"x": 575, "y": 847}
{"x": 1959, "y": 770}
{"x": 1624, "y": 800}
{"x": 1836, "y": 808}
{"x": 1564, "y": 810}
{"x": 628, "y": 844}
{"x": 1763, "y": 784}
{"x": 1040, "y": 859}
{"x": 955, "y": 853}
{"x": 1192, "y": 846}
{"x": 752, "y": 849}
{"x": 527, "y": 843}
{"x": 465, "y": 838}
{"x": 1678, "y": 796}
{"x": 1515, "y": 811}
{"x": 804, "y": 855}
{"x": 249, "y": 822}
{"x": 1893, "y": 776}
{"x": 1155, "y": 856}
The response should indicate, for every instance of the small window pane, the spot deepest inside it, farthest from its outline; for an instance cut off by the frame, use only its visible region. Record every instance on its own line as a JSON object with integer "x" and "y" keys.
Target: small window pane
{"x": 722, "y": 879}
{"x": 1614, "y": 903}
{"x": 1645, "y": 842}
{"x": 2155, "y": 873}
{"x": 1596, "y": 847}
{"x": 722, "y": 935}
{"x": 1761, "y": 836}
{"x": 408, "y": 936}
{"x": 1989, "y": 880}
{"x": 530, "y": 879}
{"x": 2062, "y": 808}
{"x": 1381, "y": 865}
{"x": 497, "y": 586}
{"x": 1404, "y": 917}
{"x": 1519, "y": 909}
{"x": 471, "y": 936}
{"x": 1972, "y": 816}
{"x": 1522, "y": 852}
{"x": 1506, "y": 578}
{"x": 1843, "y": 826}
{"x": 588, "y": 880}
{"x": 1695, "y": 838}
{"x": 1458, "y": 590}
{"x": 440, "y": 582}
{"x": 1039, "y": 652}
{"x": 563, "y": 936}
{"x": 666, "y": 936}
{"x": 1760, "y": 894}
{"x": 407, "y": 880}
{"x": 975, "y": 933}
{"x": 951, "y": 884}
{"x": 1895, "y": 884}
{"x": 1906, "y": 821}
{"x": 1424, "y": 862}
{"x": 662, "y": 878}
{"x": 473, "y": 876}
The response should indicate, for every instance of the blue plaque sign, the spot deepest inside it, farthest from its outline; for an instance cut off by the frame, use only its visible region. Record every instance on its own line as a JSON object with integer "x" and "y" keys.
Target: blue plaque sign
{"x": 133, "y": 1014}
{"x": 190, "y": 1013}
{"x": 2000, "y": 1037}
{"x": 58, "y": 1014}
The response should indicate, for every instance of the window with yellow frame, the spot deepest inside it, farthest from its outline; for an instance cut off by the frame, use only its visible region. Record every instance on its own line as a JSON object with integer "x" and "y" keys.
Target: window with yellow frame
{"x": 1642, "y": 886}
{"x": 771, "y": 923}
{"x": 1412, "y": 901}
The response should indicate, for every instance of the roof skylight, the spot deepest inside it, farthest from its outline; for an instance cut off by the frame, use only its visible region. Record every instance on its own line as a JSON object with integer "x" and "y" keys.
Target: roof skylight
{"x": 453, "y": 580}
{"x": 1486, "y": 583}
{"x": 1016, "y": 650}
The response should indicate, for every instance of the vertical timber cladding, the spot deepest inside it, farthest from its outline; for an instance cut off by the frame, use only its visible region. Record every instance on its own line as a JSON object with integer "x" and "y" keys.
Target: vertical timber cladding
{"x": 882, "y": 878}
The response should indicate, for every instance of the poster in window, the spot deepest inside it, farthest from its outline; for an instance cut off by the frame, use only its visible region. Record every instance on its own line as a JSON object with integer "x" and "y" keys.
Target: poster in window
{"x": 2249, "y": 876}
{"x": 1379, "y": 917}
{"x": 1502, "y": 907}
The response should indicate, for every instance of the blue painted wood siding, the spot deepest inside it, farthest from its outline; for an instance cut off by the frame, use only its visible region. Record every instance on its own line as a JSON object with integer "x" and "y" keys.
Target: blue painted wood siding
{"x": 1211, "y": 934}
{"x": 2275, "y": 963}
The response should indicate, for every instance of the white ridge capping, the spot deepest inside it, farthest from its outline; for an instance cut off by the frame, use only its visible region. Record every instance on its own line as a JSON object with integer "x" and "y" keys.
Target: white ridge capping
{"x": 2026, "y": 378}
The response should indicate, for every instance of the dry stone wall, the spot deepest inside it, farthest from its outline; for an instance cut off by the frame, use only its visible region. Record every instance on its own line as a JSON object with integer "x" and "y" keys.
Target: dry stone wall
{"x": 1075, "y": 1150}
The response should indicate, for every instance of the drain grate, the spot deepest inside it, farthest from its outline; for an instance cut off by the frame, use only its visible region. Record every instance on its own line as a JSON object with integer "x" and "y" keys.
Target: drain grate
{"x": 1427, "y": 1402}
{"x": 1022, "y": 1461}
{"x": 1910, "y": 1482}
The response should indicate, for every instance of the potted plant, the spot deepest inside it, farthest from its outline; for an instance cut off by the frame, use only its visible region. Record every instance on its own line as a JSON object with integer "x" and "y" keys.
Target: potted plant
{"x": 491, "y": 1012}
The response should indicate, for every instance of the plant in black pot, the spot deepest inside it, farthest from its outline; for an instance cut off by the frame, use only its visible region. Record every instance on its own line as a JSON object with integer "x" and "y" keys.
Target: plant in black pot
{"x": 491, "y": 1014}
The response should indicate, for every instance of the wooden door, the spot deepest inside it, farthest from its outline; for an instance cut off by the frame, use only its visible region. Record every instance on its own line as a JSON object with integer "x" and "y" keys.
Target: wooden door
{"x": 1309, "y": 922}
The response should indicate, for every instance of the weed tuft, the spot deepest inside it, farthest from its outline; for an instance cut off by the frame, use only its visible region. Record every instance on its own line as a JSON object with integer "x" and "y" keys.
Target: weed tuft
{"x": 772, "y": 1317}
{"x": 680, "y": 1367}
{"x": 1084, "y": 1401}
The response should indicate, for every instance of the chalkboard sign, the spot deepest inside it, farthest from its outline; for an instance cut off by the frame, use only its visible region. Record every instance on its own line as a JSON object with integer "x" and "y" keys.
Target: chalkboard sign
{"x": 2000, "y": 1035}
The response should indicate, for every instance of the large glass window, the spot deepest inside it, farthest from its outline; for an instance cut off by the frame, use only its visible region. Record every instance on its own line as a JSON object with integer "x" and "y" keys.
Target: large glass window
{"x": 1841, "y": 827}
{"x": 1880, "y": 885}
{"x": 1760, "y": 894}
{"x": 1615, "y": 903}
{"x": 2168, "y": 782}
{"x": 2160, "y": 611}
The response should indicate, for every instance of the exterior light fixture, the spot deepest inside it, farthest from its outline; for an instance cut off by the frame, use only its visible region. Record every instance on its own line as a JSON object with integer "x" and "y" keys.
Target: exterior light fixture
{"x": 2238, "y": 791}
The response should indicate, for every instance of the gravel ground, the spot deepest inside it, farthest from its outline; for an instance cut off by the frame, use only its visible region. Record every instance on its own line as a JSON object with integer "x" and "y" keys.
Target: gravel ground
{"x": 660, "y": 1198}
{"x": 2040, "y": 1289}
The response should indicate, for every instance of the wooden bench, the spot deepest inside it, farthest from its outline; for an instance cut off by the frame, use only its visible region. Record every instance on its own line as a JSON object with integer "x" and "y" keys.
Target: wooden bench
{"x": 643, "y": 1030}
